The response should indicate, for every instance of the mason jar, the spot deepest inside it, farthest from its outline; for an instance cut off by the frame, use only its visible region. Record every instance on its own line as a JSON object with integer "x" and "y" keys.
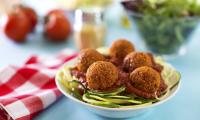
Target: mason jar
{"x": 89, "y": 29}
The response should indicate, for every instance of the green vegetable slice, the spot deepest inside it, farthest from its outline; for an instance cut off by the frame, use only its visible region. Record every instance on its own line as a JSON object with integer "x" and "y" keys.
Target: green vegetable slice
{"x": 119, "y": 97}
{"x": 117, "y": 101}
{"x": 87, "y": 99}
{"x": 112, "y": 93}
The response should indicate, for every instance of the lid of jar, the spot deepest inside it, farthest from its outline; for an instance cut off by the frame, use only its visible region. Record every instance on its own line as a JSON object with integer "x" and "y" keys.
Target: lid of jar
{"x": 89, "y": 15}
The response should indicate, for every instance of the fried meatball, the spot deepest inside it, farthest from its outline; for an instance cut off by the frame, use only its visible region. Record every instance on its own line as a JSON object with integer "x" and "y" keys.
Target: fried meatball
{"x": 87, "y": 57}
{"x": 145, "y": 79}
{"x": 121, "y": 48}
{"x": 136, "y": 59}
{"x": 155, "y": 66}
{"x": 101, "y": 75}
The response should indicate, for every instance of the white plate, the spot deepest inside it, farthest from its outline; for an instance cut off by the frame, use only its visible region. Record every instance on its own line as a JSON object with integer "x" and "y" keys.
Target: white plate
{"x": 113, "y": 112}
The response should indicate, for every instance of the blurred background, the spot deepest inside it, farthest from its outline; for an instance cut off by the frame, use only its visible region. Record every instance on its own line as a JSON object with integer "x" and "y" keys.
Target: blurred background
{"x": 169, "y": 28}
{"x": 50, "y": 26}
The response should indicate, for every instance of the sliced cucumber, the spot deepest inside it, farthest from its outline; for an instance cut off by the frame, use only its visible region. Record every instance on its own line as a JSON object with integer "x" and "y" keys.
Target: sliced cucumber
{"x": 117, "y": 101}
{"x": 87, "y": 99}
{"x": 119, "y": 97}
{"x": 115, "y": 92}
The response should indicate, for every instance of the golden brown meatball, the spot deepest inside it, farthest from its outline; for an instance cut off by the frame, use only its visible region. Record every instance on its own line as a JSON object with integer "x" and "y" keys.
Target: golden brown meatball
{"x": 121, "y": 48}
{"x": 145, "y": 79}
{"x": 101, "y": 75}
{"x": 155, "y": 66}
{"x": 87, "y": 57}
{"x": 136, "y": 59}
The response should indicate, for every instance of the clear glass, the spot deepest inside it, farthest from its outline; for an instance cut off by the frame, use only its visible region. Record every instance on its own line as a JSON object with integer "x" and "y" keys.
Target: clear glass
{"x": 89, "y": 29}
{"x": 164, "y": 35}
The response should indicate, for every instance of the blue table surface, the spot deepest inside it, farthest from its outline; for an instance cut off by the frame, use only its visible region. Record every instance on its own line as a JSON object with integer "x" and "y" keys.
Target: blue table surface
{"x": 184, "y": 106}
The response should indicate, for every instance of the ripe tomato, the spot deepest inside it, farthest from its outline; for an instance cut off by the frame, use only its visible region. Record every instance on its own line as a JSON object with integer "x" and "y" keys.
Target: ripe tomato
{"x": 57, "y": 27}
{"x": 17, "y": 26}
{"x": 30, "y": 13}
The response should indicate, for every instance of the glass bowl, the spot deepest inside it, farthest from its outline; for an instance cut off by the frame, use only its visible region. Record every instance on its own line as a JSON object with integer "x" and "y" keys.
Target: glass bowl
{"x": 164, "y": 36}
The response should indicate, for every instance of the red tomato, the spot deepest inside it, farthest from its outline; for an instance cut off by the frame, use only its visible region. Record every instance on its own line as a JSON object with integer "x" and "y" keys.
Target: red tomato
{"x": 17, "y": 26}
{"x": 30, "y": 13}
{"x": 57, "y": 27}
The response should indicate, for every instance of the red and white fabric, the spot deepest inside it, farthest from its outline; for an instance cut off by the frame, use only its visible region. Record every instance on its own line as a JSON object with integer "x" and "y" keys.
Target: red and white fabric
{"x": 28, "y": 89}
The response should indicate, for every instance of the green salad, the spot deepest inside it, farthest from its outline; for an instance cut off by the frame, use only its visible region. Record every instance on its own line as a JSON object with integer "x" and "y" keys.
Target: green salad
{"x": 116, "y": 98}
{"x": 165, "y": 25}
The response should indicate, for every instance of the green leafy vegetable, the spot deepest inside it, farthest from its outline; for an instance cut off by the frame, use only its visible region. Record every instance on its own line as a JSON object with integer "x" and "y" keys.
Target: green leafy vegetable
{"x": 164, "y": 25}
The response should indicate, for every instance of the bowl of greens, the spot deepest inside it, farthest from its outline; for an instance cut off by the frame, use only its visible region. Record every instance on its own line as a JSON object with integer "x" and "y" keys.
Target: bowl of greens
{"x": 164, "y": 25}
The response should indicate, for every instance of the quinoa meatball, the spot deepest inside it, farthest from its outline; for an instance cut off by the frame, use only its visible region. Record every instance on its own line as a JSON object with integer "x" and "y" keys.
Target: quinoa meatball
{"x": 145, "y": 79}
{"x": 87, "y": 57}
{"x": 136, "y": 59}
{"x": 121, "y": 48}
{"x": 101, "y": 75}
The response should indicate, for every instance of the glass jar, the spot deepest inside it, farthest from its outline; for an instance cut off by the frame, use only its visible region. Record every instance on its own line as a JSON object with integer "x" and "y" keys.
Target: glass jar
{"x": 89, "y": 29}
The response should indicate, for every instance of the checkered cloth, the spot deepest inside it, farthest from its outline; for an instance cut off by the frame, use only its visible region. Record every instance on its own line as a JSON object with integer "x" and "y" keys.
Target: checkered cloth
{"x": 26, "y": 90}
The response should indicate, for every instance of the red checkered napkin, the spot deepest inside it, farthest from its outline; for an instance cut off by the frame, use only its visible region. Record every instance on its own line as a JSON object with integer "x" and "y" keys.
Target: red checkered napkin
{"x": 26, "y": 90}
